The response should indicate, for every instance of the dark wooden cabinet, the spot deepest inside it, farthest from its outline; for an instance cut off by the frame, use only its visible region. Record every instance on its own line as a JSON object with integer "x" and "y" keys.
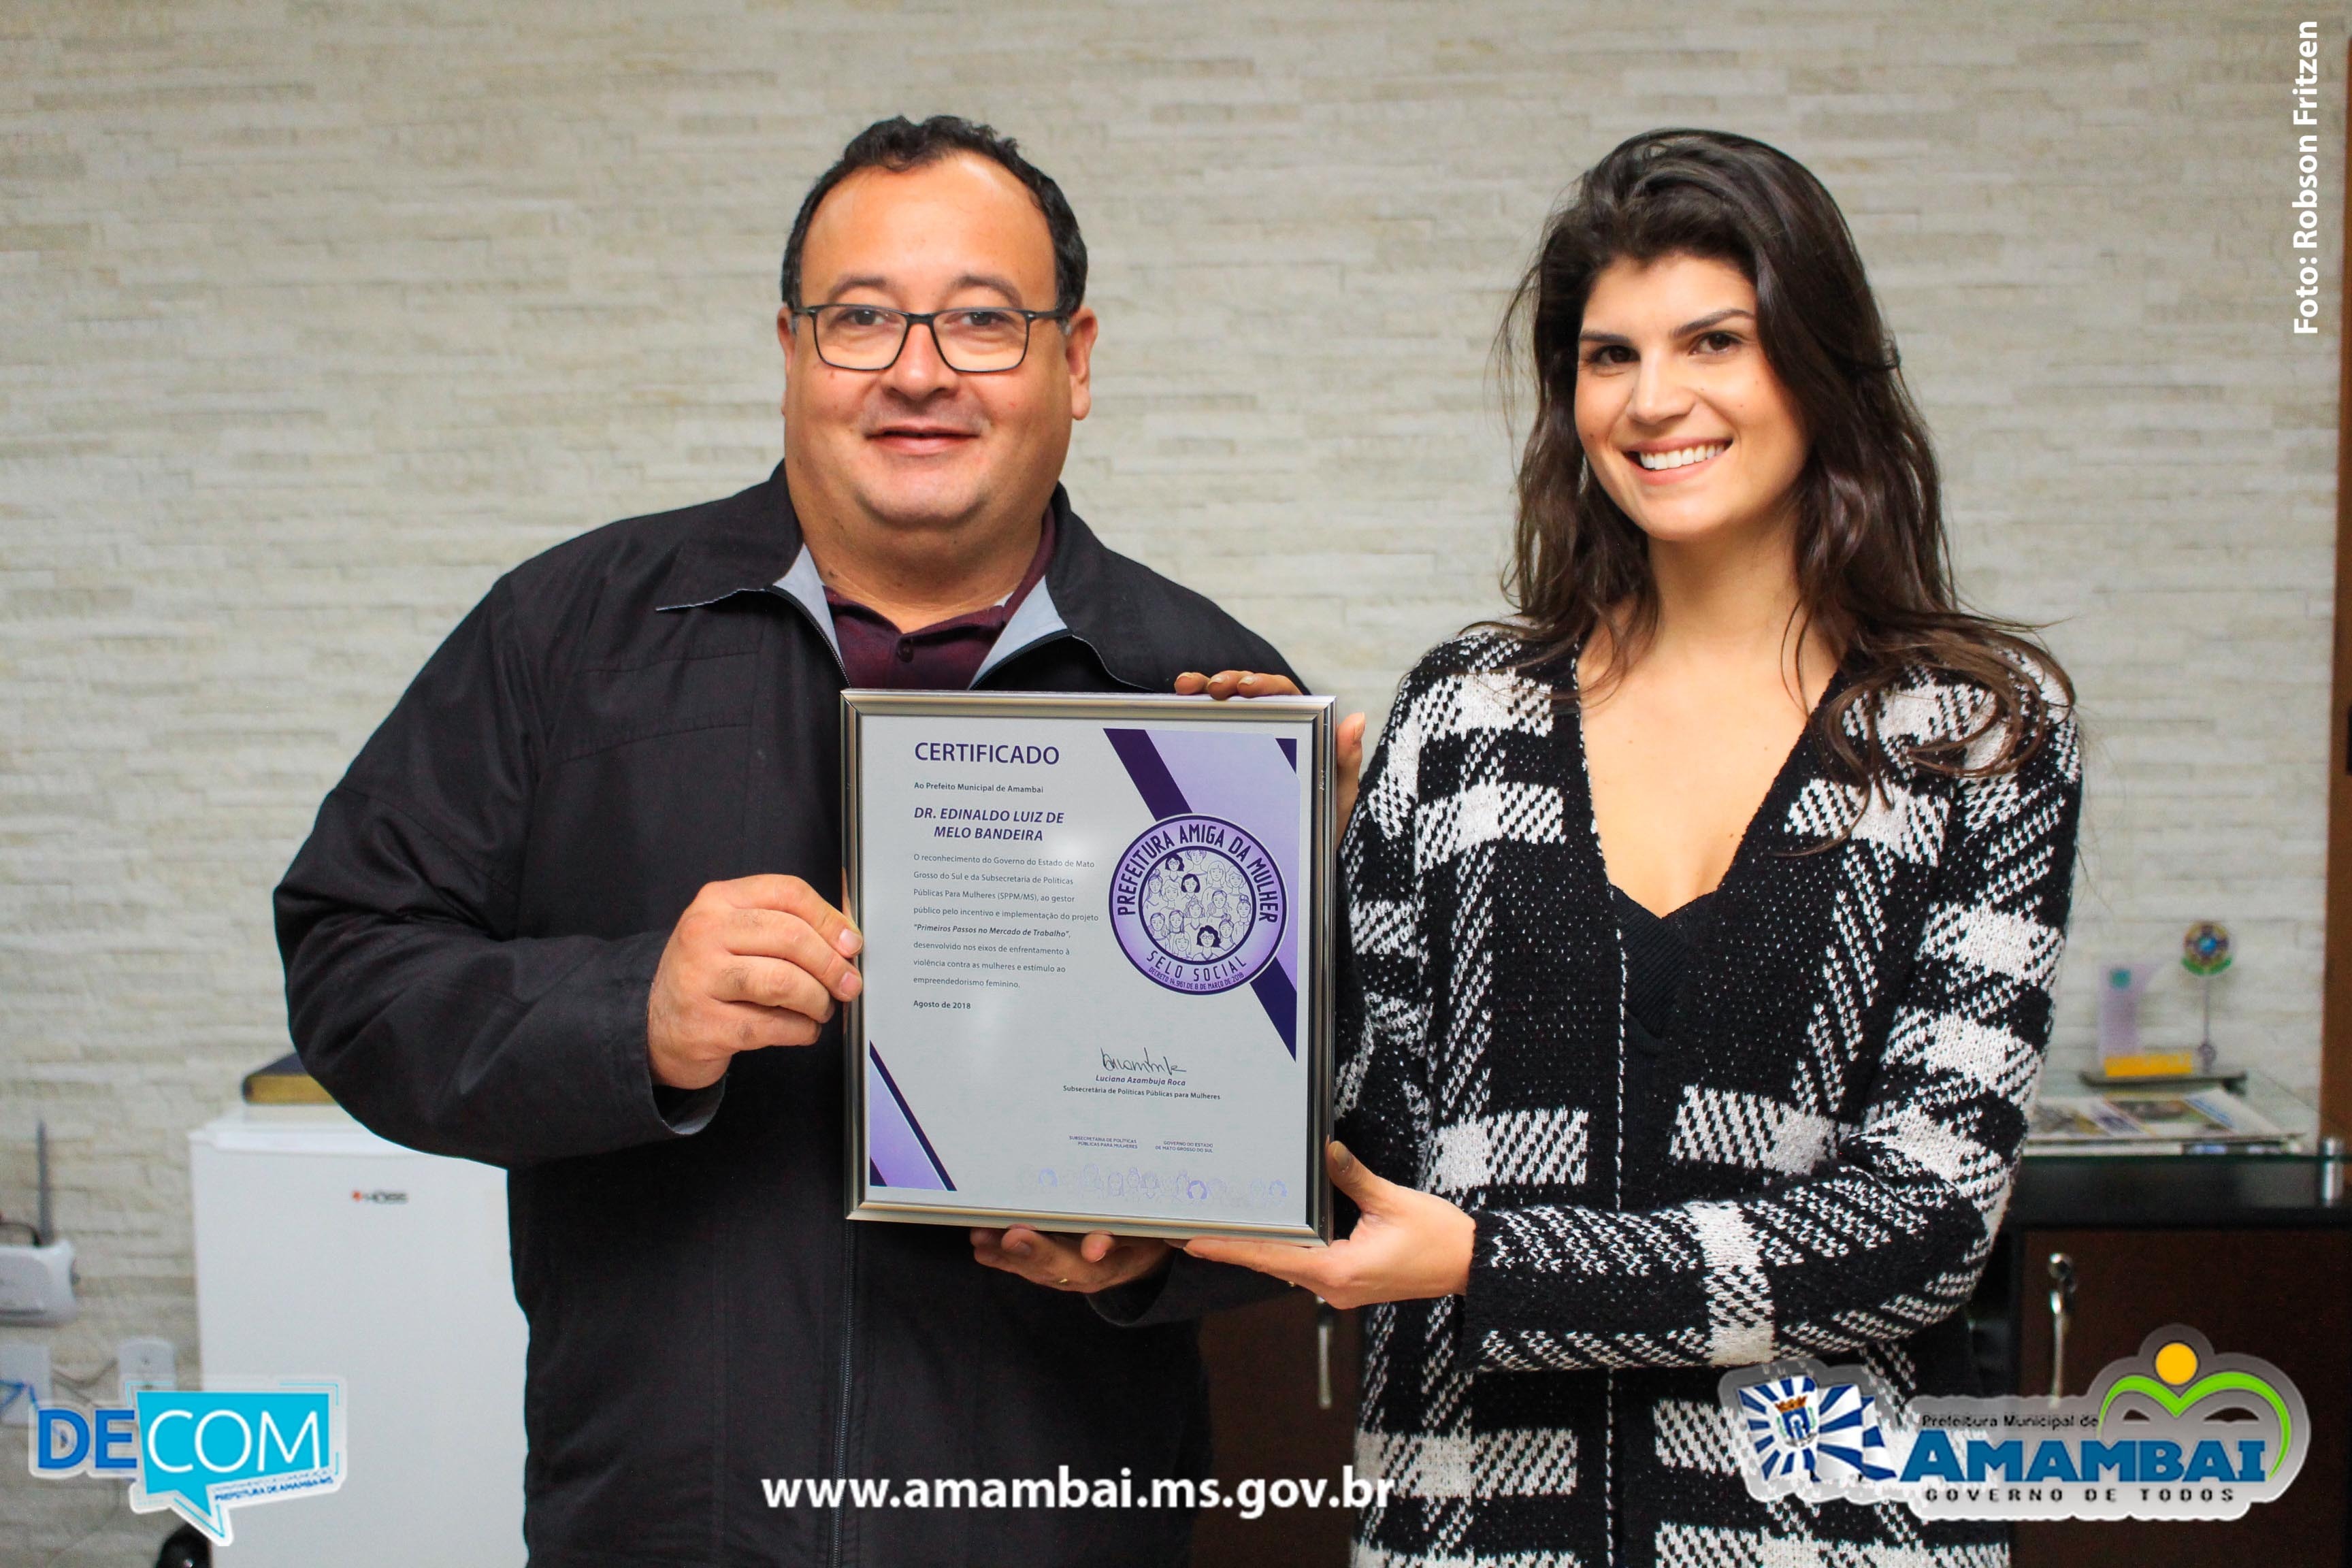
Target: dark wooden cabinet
{"x": 1269, "y": 1422}
{"x": 2254, "y": 1253}
{"x": 2283, "y": 1295}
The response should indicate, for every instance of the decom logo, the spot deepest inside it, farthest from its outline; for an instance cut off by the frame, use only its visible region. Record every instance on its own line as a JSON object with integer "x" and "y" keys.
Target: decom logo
{"x": 2176, "y": 1432}
{"x": 201, "y": 1455}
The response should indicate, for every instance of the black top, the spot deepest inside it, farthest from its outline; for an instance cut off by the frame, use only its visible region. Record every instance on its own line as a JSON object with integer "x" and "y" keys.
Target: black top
{"x": 1658, "y": 952}
{"x": 1794, "y": 1169}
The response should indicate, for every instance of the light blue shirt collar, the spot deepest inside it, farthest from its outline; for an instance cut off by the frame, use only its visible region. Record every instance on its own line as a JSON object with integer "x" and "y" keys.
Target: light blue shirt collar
{"x": 1036, "y": 621}
{"x": 804, "y": 587}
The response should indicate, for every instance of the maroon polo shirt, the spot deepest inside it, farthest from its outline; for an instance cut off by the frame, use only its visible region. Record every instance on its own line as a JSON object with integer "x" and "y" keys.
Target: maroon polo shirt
{"x": 942, "y": 657}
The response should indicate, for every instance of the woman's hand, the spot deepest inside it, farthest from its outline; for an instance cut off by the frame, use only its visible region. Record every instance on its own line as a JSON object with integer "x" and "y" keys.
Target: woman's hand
{"x": 1409, "y": 1246}
{"x": 1347, "y": 741}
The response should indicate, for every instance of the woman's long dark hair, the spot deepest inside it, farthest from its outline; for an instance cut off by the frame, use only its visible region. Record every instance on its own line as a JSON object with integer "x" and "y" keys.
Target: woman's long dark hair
{"x": 1873, "y": 569}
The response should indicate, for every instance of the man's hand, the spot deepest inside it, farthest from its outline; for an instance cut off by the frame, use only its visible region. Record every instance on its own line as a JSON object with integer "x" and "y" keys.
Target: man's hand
{"x": 1347, "y": 741}
{"x": 753, "y": 962}
{"x": 1407, "y": 1246}
{"x": 1094, "y": 1263}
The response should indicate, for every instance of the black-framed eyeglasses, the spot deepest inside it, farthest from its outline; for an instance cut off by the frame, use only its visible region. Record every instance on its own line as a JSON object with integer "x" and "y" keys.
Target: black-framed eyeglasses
{"x": 973, "y": 339}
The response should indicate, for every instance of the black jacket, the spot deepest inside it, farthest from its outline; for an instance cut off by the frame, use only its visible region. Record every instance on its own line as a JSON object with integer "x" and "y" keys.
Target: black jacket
{"x": 469, "y": 938}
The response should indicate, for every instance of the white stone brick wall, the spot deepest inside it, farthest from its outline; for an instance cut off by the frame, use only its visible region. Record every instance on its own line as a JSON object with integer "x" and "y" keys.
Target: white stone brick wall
{"x": 318, "y": 315}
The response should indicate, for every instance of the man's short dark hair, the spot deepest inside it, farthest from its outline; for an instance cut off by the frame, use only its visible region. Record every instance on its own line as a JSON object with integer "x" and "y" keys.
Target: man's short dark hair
{"x": 898, "y": 144}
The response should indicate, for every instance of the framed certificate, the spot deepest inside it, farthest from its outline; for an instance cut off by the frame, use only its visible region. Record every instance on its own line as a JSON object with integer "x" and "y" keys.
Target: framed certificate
{"x": 1098, "y": 995}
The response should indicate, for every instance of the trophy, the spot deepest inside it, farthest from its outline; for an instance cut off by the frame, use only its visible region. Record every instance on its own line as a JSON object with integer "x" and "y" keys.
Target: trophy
{"x": 2205, "y": 952}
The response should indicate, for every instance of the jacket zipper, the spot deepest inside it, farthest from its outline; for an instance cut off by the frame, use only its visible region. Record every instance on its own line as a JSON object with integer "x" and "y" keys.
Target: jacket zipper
{"x": 833, "y": 1554}
{"x": 840, "y": 1393}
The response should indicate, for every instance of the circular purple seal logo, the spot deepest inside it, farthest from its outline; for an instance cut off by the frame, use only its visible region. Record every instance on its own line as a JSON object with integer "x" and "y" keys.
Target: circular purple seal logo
{"x": 1198, "y": 904}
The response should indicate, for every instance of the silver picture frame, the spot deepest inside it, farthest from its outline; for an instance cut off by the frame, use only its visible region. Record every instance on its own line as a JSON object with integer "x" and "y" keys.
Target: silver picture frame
{"x": 868, "y": 1200}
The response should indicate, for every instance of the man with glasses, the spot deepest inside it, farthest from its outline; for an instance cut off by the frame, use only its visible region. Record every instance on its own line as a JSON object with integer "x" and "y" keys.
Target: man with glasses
{"x": 571, "y": 912}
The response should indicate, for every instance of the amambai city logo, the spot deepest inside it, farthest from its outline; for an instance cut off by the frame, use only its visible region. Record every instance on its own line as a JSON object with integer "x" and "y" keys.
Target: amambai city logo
{"x": 2176, "y": 1432}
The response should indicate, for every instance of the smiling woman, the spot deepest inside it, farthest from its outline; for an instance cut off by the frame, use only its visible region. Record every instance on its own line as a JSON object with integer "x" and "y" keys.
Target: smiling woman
{"x": 1733, "y": 267}
{"x": 1676, "y": 405}
{"x": 1702, "y": 916}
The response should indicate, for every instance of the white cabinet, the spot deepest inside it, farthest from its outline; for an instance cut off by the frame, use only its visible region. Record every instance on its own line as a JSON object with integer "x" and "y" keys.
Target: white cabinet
{"x": 323, "y": 1251}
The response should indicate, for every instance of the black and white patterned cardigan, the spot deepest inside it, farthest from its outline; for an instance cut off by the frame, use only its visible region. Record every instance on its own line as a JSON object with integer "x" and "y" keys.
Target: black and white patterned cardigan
{"x": 1813, "y": 1164}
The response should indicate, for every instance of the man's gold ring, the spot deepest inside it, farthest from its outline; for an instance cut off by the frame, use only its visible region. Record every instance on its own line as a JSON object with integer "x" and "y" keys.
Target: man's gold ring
{"x": 1064, "y": 1280}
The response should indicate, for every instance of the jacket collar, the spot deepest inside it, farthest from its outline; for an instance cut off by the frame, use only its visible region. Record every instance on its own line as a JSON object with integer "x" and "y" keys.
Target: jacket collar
{"x": 751, "y": 543}
{"x": 745, "y": 544}
{"x": 1036, "y": 621}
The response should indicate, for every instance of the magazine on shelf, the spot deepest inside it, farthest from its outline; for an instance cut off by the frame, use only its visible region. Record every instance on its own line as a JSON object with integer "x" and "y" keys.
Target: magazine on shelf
{"x": 2154, "y": 1121}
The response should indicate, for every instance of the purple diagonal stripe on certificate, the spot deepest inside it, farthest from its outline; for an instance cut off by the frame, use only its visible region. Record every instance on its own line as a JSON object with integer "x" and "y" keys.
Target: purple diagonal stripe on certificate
{"x": 1150, "y": 774}
{"x": 1280, "y": 998}
{"x": 1245, "y": 780}
{"x": 894, "y": 1145}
